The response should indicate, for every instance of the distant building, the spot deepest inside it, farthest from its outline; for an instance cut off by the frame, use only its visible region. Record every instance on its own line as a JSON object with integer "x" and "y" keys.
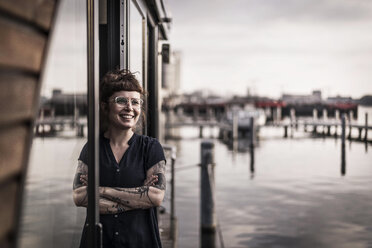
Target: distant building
{"x": 171, "y": 78}
{"x": 63, "y": 104}
{"x": 366, "y": 100}
{"x": 315, "y": 97}
{"x": 339, "y": 99}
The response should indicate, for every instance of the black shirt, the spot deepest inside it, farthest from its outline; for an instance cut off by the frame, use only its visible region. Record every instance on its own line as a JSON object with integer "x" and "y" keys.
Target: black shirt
{"x": 135, "y": 228}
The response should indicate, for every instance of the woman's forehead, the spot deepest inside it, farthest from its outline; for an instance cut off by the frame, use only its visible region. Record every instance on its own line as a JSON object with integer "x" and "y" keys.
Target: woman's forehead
{"x": 129, "y": 94}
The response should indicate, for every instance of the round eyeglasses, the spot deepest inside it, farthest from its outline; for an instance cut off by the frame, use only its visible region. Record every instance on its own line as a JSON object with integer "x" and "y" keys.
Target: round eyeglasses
{"x": 124, "y": 101}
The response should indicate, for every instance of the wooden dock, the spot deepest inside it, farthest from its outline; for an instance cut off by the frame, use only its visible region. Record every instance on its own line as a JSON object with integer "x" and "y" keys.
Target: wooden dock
{"x": 165, "y": 228}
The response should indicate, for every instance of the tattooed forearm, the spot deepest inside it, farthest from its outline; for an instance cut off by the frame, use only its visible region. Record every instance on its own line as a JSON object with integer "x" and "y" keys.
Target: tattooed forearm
{"x": 159, "y": 171}
{"x": 149, "y": 195}
{"x": 110, "y": 207}
{"x": 82, "y": 169}
{"x": 139, "y": 197}
{"x": 80, "y": 195}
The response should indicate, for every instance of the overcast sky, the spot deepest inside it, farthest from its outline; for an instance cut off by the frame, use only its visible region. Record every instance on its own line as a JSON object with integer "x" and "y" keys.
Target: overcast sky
{"x": 274, "y": 46}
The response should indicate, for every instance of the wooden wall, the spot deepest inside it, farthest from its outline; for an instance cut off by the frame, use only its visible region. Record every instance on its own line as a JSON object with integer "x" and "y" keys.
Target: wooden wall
{"x": 24, "y": 30}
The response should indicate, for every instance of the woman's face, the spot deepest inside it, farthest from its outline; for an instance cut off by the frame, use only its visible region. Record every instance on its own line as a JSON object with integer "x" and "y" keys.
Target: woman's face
{"x": 124, "y": 109}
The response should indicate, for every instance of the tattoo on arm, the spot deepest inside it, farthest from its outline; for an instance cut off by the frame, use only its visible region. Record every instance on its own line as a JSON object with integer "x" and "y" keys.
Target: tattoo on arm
{"x": 110, "y": 207}
{"x": 159, "y": 171}
{"x": 128, "y": 198}
{"x": 82, "y": 169}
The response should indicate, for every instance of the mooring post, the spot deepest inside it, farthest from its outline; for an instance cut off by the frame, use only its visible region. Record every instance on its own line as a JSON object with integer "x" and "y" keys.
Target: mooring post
{"x": 329, "y": 130}
{"x": 80, "y": 130}
{"x": 285, "y": 131}
{"x": 200, "y": 131}
{"x": 208, "y": 221}
{"x": 336, "y": 130}
{"x": 315, "y": 129}
{"x": 172, "y": 203}
{"x": 343, "y": 163}
{"x": 325, "y": 115}
{"x": 292, "y": 118}
{"x": 366, "y": 128}
{"x": 315, "y": 114}
{"x": 207, "y": 196}
{"x": 360, "y": 133}
{"x": 235, "y": 126}
{"x": 337, "y": 114}
{"x": 252, "y": 143}
{"x": 350, "y": 128}
{"x": 252, "y": 131}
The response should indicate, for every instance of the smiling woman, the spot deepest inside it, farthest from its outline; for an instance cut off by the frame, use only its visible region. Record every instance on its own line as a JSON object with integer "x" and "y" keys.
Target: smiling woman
{"x": 117, "y": 89}
{"x": 131, "y": 166}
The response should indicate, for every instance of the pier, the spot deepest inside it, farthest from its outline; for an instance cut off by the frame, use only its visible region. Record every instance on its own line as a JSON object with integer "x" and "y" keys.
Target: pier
{"x": 328, "y": 128}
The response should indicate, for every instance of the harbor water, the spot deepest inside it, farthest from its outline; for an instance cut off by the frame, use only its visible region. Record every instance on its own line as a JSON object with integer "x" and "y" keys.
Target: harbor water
{"x": 296, "y": 197}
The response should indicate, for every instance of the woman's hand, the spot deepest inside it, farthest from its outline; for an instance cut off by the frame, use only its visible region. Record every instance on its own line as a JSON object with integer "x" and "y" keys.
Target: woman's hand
{"x": 151, "y": 181}
{"x": 84, "y": 179}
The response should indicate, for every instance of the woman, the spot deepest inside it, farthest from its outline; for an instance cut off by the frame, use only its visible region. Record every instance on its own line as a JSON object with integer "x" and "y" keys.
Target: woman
{"x": 131, "y": 167}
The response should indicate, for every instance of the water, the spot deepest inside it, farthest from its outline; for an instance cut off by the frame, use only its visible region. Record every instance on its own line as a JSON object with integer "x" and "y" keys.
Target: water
{"x": 297, "y": 196}
{"x": 50, "y": 218}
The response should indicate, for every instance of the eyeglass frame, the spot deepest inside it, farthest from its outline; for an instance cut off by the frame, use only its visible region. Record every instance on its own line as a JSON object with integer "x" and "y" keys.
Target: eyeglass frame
{"x": 115, "y": 100}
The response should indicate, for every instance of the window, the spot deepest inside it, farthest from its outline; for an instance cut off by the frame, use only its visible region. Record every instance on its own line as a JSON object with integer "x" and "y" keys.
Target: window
{"x": 50, "y": 217}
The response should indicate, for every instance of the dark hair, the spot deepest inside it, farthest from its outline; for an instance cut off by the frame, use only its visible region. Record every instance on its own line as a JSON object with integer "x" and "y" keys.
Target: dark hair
{"x": 119, "y": 80}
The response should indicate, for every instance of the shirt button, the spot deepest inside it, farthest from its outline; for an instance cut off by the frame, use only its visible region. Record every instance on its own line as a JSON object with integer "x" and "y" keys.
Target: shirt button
{"x": 117, "y": 170}
{"x": 115, "y": 215}
{"x": 116, "y": 233}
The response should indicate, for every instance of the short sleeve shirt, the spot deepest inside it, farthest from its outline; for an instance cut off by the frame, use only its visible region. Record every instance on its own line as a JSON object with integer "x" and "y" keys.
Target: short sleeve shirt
{"x": 135, "y": 228}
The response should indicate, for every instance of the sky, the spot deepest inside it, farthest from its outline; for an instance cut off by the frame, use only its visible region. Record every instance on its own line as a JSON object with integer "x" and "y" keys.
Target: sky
{"x": 270, "y": 47}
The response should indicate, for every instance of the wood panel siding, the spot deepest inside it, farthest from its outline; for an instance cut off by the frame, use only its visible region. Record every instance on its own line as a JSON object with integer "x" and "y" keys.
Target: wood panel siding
{"x": 24, "y": 32}
{"x": 20, "y": 46}
{"x": 8, "y": 206}
{"x": 19, "y": 90}
{"x": 12, "y": 147}
{"x": 36, "y": 12}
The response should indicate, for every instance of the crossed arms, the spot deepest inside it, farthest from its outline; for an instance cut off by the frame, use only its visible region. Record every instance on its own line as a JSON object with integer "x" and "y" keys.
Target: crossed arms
{"x": 117, "y": 200}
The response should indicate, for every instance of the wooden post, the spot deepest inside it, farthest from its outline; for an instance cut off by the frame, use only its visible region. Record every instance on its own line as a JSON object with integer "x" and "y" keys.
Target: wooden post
{"x": 200, "y": 131}
{"x": 195, "y": 113}
{"x": 360, "y": 133}
{"x": 315, "y": 114}
{"x": 278, "y": 114}
{"x": 343, "y": 163}
{"x": 336, "y": 129}
{"x": 315, "y": 129}
{"x": 235, "y": 125}
{"x": 366, "y": 128}
{"x": 350, "y": 128}
{"x": 292, "y": 118}
{"x": 324, "y": 130}
{"x": 252, "y": 131}
{"x": 80, "y": 130}
{"x": 337, "y": 114}
{"x": 325, "y": 114}
{"x": 328, "y": 130}
{"x": 207, "y": 196}
{"x": 167, "y": 120}
{"x": 252, "y": 143}
{"x": 285, "y": 131}
{"x": 172, "y": 203}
